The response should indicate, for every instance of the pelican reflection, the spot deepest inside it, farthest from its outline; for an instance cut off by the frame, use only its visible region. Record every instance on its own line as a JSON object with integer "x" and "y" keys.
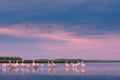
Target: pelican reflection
{"x": 67, "y": 69}
{"x": 76, "y": 70}
{"x": 34, "y": 70}
{"x": 25, "y": 70}
{"x": 16, "y": 69}
{"x": 82, "y": 70}
{"x": 51, "y": 70}
{"x": 4, "y": 69}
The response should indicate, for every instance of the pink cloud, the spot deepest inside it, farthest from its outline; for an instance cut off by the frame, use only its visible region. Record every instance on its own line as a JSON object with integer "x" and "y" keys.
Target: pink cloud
{"x": 36, "y": 31}
{"x": 88, "y": 46}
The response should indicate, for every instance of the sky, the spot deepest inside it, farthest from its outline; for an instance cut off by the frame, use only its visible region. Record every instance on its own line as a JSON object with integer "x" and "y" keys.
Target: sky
{"x": 50, "y": 29}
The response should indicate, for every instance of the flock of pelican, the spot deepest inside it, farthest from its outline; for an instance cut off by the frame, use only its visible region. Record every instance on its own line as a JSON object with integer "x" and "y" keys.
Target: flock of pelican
{"x": 51, "y": 66}
{"x": 75, "y": 65}
{"x": 22, "y": 65}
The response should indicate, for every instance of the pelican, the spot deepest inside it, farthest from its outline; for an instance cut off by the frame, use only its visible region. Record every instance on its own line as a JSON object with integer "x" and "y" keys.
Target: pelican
{"x": 35, "y": 65}
{"x": 66, "y": 64}
{"x": 10, "y": 64}
{"x": 72, "y": 65}
{"x": 16, "y": 64}
{"x": 77, "y": 64}
{"x": 23, "y": 65}
{"x": 49, "y": 65}
{"x": 83, "y": 64}
{"x": 41, "y": 65}
{"x": 53, "y": 64}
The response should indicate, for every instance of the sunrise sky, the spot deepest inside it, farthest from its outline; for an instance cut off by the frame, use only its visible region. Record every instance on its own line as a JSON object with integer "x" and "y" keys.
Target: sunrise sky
{"x": 87, "y": 29}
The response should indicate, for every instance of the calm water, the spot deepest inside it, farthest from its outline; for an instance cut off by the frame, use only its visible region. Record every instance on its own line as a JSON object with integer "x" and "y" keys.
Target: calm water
{"x": 93, "y": 71}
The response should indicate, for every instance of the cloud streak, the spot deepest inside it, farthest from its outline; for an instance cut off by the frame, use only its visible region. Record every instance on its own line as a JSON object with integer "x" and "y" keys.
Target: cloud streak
{"x": 65, "y": 41}
{"x": 66, "y": 37}
{"x": 54, "y": 31}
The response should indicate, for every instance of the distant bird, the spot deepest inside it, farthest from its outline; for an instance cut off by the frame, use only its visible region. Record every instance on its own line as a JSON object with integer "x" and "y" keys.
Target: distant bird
{"x": 41, "y": 65}
{"x": 77, "y": 64}
{"x": 53, "y": 64}
{"x": 10, "y": 64}
{"x": 66, "y": 64}
{"x": 13, "y": 65}
{"x": 36, "y": 65}
{"x": 83, "y": 64}
{"x": 49, "y": 65}
{"x": 33, "y": 64}
{"x": 72, "y": 65}
{"x": 16, "y": 65}
{"x": 23, "y": 65}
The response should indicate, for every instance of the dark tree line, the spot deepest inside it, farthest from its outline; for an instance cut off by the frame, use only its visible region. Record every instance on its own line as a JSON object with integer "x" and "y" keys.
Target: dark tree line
{"x": 14, "y": 59}
{"x": 10, "y": 58}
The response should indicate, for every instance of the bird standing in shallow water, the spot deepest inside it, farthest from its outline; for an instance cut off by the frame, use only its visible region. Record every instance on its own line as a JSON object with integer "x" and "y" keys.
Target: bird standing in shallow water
{"x": 83, "y": 64}
{"x": 66, "y": 64}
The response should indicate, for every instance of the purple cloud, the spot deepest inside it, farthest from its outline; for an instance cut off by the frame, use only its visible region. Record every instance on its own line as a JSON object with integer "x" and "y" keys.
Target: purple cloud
{"x": 87, "y": 46}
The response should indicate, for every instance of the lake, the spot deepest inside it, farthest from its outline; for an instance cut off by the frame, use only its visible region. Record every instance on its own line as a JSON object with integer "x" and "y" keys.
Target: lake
{"x": 93, "y": 71}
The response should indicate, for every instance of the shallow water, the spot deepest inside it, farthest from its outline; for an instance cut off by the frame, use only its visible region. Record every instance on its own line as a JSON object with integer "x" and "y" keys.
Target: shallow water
{"x": 93, "y": 71}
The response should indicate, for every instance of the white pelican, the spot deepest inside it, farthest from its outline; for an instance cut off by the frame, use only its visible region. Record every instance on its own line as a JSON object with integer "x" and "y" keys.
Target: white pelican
{"x": 77, "y": 64}
{"x": 72, "y": 65}
{"x": 11, "y": 65}
{"x": 16, "y": 64}
{"x": 41, "y": 65}
{"x": 23, "y": 65}
{"x": 49, "y": 65}
{"x": 53, "y": 64}
{"x": 35, "y": 65}
{"x": 66, "y": 64}
{"x": 83, "y": 64}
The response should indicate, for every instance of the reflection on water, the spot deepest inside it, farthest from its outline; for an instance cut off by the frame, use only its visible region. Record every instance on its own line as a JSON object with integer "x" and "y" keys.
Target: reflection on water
{"x": 67, "y": 69}
{"x": 91, "y": 69}
{"x": 51, "y": 70}
{"x": 46, "y": 70}
{"x": 76, "y": 70}
{"x": 82, "y": 70}
{"x": 34, "y": 70}
{"x": 4, "y": 70}
{"x": 25, "y": 70}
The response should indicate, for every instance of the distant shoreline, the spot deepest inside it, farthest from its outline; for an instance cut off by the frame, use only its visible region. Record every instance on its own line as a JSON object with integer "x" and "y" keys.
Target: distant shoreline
{"x": 14, "y": 59}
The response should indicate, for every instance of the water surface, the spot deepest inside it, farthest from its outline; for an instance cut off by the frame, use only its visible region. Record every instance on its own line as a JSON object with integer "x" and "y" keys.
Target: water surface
{"x": 93, "y": 71}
